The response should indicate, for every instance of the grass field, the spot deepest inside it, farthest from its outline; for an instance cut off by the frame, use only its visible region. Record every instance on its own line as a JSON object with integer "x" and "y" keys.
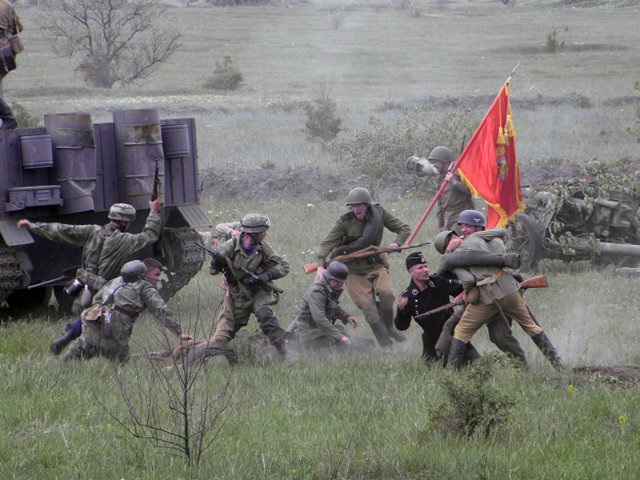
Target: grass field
{"x": 354, "y": 417}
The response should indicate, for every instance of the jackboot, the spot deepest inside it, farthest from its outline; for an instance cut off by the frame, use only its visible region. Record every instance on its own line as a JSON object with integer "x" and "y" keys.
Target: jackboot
{"x": 73, "y": 331}
{"x": 9, "y": 122}
{"x": 381, "y": 333}
{"x": 457, "y": 353}
{"x": 271, "y": 328}
{"x": 548, "y": 350}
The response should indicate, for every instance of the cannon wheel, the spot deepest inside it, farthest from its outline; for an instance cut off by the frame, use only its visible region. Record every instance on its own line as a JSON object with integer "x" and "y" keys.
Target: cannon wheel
{"x": 524, "y": 238}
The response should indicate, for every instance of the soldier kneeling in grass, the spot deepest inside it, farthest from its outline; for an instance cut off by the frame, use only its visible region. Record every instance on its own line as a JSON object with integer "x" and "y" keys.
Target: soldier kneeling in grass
{"x": 108, "y": 323}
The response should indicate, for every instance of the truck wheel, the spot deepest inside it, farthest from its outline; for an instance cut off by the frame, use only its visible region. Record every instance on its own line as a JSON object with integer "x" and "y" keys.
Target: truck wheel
{"x": 24, "y": 302}
{"x": 524, "y": 238}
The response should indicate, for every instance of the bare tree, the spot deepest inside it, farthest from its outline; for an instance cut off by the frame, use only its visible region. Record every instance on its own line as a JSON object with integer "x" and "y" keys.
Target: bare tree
{"x": 117, "y": 41}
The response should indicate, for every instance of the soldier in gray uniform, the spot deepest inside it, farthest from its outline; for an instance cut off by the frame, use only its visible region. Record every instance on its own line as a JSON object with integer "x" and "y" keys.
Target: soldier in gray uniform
{"x": 105, "y": 250}
{"x": 107, "y": 325}
{"x": 314, "y": 325}
{"x": 248, "y": 293}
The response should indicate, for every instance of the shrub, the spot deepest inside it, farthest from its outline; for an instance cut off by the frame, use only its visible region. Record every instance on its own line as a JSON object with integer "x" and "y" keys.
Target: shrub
{"x": 471, "y": 406}
{"x": 226, "y": 76}
{"x": 552, "y": 45}
{"x": 383, "y": 148}
{"x": 23, "y": 117}
{"x": 322, "y": 119}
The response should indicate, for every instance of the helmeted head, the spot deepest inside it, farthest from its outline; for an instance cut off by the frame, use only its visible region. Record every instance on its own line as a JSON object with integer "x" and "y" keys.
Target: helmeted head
{"x": 336, "y": 271}
{"x": 255, "y": 223}
{"x": 440, "y": 154}
{"x": 359, "y": 195}
{"x": 122, "y": 212}
{"x": 133, "y": 271}
{"x": 473, "y": 218}
{"x": 442, "y": 240}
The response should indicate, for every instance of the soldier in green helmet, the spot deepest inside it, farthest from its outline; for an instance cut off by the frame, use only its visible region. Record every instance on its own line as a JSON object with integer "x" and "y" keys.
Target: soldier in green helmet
{"x": 105, "y": 249}
{"x": 455, "y": 197}
{"x": 368, "y": 283}
{"x": 249, "y": 292}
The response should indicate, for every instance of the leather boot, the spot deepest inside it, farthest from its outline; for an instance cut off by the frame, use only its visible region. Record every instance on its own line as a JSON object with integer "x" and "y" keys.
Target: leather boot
{"x": 457, "y": 353}
{"x": 381, "y": 333}
{"x": 548, "y": 350}
{"x": 9, "y": 122}
{"x": 271, "y": 328}
{"x": 74, "y": 330}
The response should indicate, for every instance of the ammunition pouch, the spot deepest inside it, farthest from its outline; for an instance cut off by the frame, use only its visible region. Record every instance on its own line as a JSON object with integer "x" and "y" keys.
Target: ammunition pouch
{"x": 94, "y": 313}
{"x": 95, "y": 282}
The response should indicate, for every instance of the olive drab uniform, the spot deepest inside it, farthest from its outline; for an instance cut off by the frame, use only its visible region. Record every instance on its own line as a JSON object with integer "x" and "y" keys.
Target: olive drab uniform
{"x": 244, "y": 300}
{"x": 493, "y": 291}
{"x": 455, "y": 198}
{"x": 315, "y": 320}
{"x": 109, "y": 335}
{"x": 368, "y": 284}
{"x": 105, "y": 248}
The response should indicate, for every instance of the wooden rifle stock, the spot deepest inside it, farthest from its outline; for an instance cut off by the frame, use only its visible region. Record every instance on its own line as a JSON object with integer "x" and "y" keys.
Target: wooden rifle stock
{"x": 365, "y": 252}
{"x": 539, "y": 281}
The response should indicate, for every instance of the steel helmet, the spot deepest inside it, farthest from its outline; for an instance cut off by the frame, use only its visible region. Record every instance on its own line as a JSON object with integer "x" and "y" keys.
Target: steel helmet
{"x": 440, "y": 154}
{"x": 336, "y": 271}
{"x": 122, "y": 212}
{"x": 133, "y": 271}
{"x": 442, "y": 239}
{"x": 472, "y": 217}
{"x": 255, "y": 223}
{"x": 359, "y": 195}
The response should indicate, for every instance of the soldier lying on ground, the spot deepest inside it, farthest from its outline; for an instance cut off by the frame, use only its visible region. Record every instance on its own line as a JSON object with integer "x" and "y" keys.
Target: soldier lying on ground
{"x": 108, "y": 323}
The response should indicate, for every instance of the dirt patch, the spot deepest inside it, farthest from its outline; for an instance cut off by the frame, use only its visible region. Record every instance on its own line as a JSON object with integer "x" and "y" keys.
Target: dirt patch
{"x": 624, "y": 376}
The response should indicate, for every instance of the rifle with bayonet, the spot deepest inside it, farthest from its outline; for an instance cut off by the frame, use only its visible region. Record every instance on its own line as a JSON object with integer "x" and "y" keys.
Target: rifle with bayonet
{"x": 236, "y": 266}
{"x": 365, "y": 252}
{"x": 67, "y": 275}
{"x": 539, "y": 281}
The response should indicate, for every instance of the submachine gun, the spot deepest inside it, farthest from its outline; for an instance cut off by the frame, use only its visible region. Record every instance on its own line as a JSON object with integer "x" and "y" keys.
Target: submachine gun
{"x": 236, "y": 266}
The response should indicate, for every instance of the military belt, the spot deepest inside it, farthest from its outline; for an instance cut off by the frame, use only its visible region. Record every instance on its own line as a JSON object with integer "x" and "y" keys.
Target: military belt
{"x": 489, "y": 280}
{"x": 129, "y": 313}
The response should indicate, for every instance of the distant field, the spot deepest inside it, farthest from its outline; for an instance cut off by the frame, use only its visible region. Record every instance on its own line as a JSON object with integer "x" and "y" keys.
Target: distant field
{"x": 578, "y": 103}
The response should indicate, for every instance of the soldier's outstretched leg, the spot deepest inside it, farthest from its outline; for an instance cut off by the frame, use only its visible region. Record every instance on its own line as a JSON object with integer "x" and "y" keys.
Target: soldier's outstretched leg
{"x": 271, "y": 327}
{"x": 548, "y": 350}
{"x": 72, "y": 331}
{"x": 502, "y": 337}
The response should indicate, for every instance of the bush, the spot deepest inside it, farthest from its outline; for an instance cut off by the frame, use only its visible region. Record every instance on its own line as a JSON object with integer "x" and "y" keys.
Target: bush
{"x": 322, "y": 120}
{"x": 383, "y": 148}
{"x": 226, "y": 76}
{"x": 552, "y": 45}
{"x": 472, "y": 406}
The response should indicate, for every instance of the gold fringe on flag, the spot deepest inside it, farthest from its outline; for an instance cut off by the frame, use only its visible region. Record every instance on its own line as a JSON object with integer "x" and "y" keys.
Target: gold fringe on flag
{"x": 508, "y": 127}
{"x": 501, "y": 138}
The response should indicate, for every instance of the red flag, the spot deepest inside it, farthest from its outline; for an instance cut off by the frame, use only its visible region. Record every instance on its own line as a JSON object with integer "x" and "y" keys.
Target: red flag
{"x": 488, "y": 164}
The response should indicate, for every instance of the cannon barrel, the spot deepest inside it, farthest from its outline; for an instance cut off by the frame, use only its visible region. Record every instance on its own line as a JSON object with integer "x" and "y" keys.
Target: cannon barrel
{"x": 619, "y": 249}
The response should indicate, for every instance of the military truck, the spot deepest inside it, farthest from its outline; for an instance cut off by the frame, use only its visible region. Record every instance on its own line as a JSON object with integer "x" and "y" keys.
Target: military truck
{"x": 71, "y": 171}
{"x": 578, "y": 221}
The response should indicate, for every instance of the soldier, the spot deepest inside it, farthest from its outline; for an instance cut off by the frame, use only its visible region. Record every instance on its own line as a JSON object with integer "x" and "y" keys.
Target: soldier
{"x": 105, "y": 249}
{"x": 314, "y": 325}
{"x": 10, "y": 26}
{"x": 424, "y": 293}
{"x": 368, "y": 283}
{"x": 119, "y": 302}
{"x": 489, "y": 290}
{"x": 455, "y": 197}
{"x": 249, "y": 293}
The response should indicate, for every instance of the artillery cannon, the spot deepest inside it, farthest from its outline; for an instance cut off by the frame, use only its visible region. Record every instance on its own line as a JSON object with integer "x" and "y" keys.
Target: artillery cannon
{"x": 578, "y": 221}
{"x": 71, "y": 171}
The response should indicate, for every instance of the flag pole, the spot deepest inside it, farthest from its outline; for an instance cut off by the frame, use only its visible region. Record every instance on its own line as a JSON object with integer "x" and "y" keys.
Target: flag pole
{"x": 444, "y": 182}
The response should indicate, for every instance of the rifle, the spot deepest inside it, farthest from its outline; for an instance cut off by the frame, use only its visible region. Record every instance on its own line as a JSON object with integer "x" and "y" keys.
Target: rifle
{"x": 236, "y": 266}
{"x": 156, "y": 183}
{"x": 67, "y": 274}
{"x": 539, "y": 281}
{"x": 365, "y": 252}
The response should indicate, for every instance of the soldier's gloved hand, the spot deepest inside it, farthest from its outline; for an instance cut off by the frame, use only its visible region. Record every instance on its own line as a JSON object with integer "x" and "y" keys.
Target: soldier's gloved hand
{"x": 249, "y": 281}
{"x": 263, "y": 278}
{"x": 512, "y": 260}
{"x": 218, "y": 261}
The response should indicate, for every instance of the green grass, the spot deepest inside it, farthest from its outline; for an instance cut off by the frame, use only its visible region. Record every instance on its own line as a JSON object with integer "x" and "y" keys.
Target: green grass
{"x": 354, "y": 417}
